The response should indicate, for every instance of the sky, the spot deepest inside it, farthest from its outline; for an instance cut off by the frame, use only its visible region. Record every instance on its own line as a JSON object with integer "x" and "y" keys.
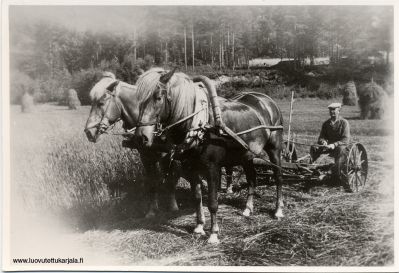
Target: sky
{"x": 119, "y": 19}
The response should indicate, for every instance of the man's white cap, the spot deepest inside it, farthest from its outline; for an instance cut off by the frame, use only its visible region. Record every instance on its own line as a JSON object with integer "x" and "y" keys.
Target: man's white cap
{"x": 334, "y": 105}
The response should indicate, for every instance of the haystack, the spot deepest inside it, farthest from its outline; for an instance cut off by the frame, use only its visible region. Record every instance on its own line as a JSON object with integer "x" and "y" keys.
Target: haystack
{"x": 350, "y": 96}
{"x": 27, "y": 103}
{"x": 372, "y": 101}
{"x": 73, "y": 100}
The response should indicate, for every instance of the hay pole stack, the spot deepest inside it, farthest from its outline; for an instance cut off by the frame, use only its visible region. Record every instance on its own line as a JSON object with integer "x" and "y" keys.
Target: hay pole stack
{"x": 27, "y": 103}
{"x": 350, "y": 95}
{"x": 372, "y": 101}
{"x": 73, "y": 100}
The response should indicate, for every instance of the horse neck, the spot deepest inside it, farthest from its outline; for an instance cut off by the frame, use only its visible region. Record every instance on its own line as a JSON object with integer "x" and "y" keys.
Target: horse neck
{"x": 180, "y": 106}
{"x": 130, "y": 108}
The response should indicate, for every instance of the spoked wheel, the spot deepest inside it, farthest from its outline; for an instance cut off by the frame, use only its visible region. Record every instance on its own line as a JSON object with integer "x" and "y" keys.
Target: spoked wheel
{"x": 355, "y": 168}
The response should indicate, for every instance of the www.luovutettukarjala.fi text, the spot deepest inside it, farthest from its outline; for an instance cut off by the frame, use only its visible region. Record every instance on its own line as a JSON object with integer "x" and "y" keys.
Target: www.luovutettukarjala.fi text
{"x": 48, "y": 261}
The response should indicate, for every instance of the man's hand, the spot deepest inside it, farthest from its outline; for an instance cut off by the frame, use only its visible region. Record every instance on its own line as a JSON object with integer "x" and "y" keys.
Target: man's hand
{"x": 323, "y": 142}
{"x": 331, "y": 146}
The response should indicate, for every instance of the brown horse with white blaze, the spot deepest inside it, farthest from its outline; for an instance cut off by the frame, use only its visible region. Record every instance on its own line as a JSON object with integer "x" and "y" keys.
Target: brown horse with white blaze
{"x": 166, "y": 98}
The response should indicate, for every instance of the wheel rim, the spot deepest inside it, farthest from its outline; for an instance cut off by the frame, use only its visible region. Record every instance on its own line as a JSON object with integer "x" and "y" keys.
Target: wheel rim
{"x": 356, "y": 168}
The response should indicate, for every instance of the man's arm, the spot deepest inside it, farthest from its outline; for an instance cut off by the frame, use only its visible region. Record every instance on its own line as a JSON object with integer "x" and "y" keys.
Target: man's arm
{"x": 323, "y": 135}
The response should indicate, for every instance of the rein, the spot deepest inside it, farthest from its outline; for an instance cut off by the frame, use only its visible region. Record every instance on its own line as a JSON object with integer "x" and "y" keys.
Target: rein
{"x": 162, "y": 131}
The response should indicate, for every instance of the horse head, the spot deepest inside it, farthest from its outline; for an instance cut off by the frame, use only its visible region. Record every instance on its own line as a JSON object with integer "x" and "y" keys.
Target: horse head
{"x": 101, "y": 96}
{"x": 153, "y": 98}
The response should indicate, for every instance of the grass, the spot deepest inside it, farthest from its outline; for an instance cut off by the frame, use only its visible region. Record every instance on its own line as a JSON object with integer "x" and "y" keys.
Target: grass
{"x": 54, "y": 166}
{"x": 57, "y": 174}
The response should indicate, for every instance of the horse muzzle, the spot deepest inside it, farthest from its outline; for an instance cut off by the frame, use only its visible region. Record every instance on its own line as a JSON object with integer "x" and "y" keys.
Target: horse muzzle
{"x": 91, "y": 134}
{"x": 146, "y": 134}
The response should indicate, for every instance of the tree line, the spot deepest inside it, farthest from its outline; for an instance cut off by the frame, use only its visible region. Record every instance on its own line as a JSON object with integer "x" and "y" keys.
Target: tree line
{"x": 219, "y": 37}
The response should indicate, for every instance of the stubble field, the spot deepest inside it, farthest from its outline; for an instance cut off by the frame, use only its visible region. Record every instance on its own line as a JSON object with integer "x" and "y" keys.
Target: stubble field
{"x": 59, "y": 192}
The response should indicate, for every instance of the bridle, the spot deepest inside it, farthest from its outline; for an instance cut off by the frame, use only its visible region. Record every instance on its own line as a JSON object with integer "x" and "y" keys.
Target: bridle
{"x": 166, "y": 106}
{"x": 102, "y": 126}
{"x": 159, "y": 130}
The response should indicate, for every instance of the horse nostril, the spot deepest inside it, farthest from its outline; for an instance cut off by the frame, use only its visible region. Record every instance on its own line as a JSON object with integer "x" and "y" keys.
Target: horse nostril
{"x": 145, "y": 139}
{"x": 89, "y": 135}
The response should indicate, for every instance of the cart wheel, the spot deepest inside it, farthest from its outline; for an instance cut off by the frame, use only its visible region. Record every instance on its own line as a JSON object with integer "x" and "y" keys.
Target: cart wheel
{"x": 353, "y": 171}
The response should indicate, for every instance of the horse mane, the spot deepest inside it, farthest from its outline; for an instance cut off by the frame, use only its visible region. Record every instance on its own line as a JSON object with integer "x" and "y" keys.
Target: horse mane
{"x": 100, "y": 87}
{"x": 147, "y": 83}
{"x": 180, "y": 88}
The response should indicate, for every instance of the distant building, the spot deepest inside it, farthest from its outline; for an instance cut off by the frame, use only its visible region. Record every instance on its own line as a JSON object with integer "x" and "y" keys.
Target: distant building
{"x": 268, "y": 62}
{"x": 380, "y": 58}
{"x": 259, "y": 63}
{"x": 318, "y": 61}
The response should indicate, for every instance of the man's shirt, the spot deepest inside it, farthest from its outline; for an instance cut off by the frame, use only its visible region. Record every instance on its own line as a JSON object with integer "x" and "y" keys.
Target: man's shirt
{"x": 336, "y": 133}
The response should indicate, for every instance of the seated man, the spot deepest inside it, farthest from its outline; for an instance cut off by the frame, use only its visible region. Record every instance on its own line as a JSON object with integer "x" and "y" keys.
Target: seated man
{"x": 334, "y": 136}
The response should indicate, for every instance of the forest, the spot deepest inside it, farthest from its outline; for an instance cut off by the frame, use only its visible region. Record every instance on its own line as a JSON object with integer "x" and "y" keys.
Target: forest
{"x": 48, "y": 57}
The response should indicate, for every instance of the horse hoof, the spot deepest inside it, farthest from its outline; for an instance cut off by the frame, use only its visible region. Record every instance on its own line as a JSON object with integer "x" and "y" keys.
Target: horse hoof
{"x": 246, "y": 212}
{"x": 199, "y": 230}
{"x": 174, "y": 208}
{"x": 150, "y": 215}
{"x": 172, "y": 205}
{"x": 213, "y": 239}
{"x": 279, "y": 214}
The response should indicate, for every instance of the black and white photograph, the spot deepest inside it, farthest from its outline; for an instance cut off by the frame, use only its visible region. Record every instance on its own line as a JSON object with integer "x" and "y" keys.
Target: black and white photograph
{"x": 185, "y": 136}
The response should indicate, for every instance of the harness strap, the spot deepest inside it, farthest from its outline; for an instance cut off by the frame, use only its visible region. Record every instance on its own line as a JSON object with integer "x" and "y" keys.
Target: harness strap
{"x": 271, "y": 127}
{"x": 263, "y": 125}
{"x": 263, "y": 156}
{"x": 256, "y": 112}
{"x": 160, "y": 132}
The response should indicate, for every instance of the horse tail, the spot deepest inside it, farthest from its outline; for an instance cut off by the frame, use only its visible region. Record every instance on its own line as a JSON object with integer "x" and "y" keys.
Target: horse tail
{"x": 212, "y": 96}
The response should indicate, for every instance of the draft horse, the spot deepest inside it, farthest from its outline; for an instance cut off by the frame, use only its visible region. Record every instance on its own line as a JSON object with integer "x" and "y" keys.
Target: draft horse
{"x": 108, "y": 98}
{"x": 166, "y": 98}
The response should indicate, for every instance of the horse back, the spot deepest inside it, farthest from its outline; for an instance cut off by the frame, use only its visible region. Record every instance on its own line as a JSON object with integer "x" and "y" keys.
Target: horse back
{"x": 265, "y": 107}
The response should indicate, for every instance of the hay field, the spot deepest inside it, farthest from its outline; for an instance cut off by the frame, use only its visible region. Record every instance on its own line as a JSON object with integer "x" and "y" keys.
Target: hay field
{"x": 61, "y": 204}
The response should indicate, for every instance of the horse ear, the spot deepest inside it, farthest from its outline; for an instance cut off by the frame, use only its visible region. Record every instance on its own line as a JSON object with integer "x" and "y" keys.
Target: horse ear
{"x": 166, "y": 77}
{"x": 111, "y": 87}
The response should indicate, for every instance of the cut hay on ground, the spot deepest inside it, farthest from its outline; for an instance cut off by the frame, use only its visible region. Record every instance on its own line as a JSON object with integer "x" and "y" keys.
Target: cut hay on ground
{"x": 323, "y": 226}
{"x": 372, "y": 101}
{"x": 350, "y": 96}
{"x": 73, "y": 100}
{"x": 27, "y": 103}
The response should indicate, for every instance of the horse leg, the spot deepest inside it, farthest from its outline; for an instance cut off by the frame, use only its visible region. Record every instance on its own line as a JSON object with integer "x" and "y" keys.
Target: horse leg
{"x": 196, "y": 190}
{"x": 171, "y": 183}
{"x": 274, "y": 156}
{"x": 250, "y": 173}
{"x": 214, "y": 176}
{"x": 152, "y": 182}
{"x": 229, "y": 179}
